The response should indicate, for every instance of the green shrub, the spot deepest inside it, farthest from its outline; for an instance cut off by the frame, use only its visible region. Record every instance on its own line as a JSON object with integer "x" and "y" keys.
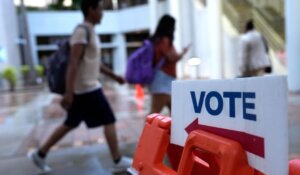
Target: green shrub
{"x": 25, "y": 69}
{"x": 9, "y": 74}
{"x": 39, "y": 69}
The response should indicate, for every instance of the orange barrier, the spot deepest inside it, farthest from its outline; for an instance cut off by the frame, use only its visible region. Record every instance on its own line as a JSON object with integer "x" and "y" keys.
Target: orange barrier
{"x": 228, "y": 156}
{"x": 203, "y": 154}
{"x": 294, "y": 167}
{"x": 152, "y": 147}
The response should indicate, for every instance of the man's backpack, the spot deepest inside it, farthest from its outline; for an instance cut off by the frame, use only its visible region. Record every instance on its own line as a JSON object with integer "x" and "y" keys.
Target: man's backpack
{"x": 140, "y": 68}
{"x": 58, "y": 65}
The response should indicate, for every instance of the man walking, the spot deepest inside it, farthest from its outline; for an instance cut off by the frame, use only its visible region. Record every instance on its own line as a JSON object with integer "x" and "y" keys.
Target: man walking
{"x": 253, "y": 54}
{"x": 84, "y": 99}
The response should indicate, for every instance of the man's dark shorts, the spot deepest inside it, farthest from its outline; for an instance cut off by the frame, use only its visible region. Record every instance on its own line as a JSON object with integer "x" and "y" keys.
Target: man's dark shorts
{"x": 92, "y": 108}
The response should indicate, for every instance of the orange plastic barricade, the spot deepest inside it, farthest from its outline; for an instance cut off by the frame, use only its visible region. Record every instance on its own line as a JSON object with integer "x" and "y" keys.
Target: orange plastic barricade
{"x": 294, "y": 167}
{"x": 229, "y": 157}
{"x": 152, "y": 147}
{"x": 204, "y": 153}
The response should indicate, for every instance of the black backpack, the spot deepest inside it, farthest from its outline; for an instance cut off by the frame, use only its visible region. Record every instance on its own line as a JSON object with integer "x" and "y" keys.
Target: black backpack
{"x": 58, "y": 65}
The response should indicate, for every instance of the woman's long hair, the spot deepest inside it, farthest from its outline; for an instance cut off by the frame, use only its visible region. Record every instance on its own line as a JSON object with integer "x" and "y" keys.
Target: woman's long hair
{"x": 165, "y": 28}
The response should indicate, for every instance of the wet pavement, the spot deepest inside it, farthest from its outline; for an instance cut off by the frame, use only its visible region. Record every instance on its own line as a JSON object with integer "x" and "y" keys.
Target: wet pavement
{"x": 28, "y": 118}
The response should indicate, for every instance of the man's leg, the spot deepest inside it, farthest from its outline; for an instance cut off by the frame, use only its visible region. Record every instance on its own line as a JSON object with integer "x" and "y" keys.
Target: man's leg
{"x": 169, "y": 104}
{"x": 58, "y": 134}
{"x": 38, "y": 156}
{"x": 104, "y": 115}
{"x": 158, "y": 102}
{"x": 121, "y": 162}
{"x": 111, "y": 137}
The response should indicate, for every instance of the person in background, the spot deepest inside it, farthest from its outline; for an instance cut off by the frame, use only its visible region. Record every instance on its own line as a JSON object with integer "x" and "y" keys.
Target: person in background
{"x": 253, "y": 56}
{"x": 84, "y": 99}
{"x": 160, "y": 87}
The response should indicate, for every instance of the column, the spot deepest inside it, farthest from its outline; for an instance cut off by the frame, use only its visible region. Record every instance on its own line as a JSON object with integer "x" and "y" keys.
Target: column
{"x": 153, "y": 15}
{"x": 175, "y": 11}
{"x": 188, "y": 36}
{"x": 27, "y": 49}
{"x": 214, "y": 8}
{"x": 120, "y": 54}
{"x": 292, "y": 18}
{"x": 9, "y": 33}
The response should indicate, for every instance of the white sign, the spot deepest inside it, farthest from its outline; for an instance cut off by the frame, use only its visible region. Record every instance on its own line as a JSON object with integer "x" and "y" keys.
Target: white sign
{"x": 251, "y": 108}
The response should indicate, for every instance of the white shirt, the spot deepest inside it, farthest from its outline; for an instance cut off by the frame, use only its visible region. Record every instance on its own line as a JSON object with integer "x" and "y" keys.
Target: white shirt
{"x": 87, "y": 77}
{"x": 253, "y": 54}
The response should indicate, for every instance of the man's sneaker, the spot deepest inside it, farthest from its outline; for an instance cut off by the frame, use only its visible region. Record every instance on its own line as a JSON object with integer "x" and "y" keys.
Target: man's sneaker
{"x": 38, "y": 161}
{"x": 122, "y": 165}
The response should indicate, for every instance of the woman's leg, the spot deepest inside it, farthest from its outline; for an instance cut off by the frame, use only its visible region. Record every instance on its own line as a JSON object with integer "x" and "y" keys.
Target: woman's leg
{"x": 159, "y": 101}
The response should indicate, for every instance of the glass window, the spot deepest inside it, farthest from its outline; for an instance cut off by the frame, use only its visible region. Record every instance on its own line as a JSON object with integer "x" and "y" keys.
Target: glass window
{"x": 130, "y": 3}
{"x": 48, "y": 40}
{"x": 134, "y": 40}
{"x": 105, "y": 38}
{"x": 137, "y": 36}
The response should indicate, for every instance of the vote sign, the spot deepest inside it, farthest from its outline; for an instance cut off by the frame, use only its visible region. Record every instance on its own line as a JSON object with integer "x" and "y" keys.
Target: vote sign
{"x": 252, "y": 111}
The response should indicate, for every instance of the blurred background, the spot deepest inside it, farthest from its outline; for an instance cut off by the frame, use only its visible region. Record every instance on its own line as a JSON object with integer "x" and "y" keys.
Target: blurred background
{"x": 31, "y": 29}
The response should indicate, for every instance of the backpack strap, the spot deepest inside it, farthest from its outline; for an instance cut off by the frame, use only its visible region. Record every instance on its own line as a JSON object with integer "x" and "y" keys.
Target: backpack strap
{"x": 87, "y": 31}
{"x": 87, "y": 38}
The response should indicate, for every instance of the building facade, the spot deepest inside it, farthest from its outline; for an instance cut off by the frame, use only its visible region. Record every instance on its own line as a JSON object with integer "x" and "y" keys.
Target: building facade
{"x": 212, "y": 28}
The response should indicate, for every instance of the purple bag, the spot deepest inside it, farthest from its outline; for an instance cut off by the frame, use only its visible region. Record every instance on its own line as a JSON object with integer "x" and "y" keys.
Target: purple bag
{"x": 140, "y": 68}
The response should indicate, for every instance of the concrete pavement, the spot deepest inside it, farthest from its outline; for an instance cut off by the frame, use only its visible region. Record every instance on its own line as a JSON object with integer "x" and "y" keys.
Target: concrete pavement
{"x": 27, "y": 119}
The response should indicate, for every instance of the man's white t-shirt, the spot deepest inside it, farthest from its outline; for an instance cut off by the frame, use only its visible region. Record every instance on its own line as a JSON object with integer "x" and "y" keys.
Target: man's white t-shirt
{"x": 87, "y": 77}
{"x": 253, "y": 53}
